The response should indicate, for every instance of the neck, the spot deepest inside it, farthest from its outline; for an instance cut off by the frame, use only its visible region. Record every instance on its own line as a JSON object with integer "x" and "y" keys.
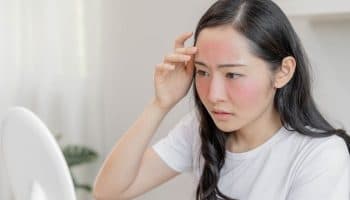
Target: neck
{"x": 255, "y": 133}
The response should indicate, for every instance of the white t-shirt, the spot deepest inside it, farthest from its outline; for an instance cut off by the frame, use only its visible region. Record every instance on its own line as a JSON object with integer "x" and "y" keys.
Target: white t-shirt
{"x": 288, "y": 166}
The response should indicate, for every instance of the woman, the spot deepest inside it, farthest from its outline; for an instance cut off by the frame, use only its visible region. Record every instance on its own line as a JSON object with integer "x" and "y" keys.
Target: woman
{"x": 256, "y": 132}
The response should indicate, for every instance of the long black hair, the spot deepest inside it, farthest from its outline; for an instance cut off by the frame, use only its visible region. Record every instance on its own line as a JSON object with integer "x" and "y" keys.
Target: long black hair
{"x": 265, "y": 25}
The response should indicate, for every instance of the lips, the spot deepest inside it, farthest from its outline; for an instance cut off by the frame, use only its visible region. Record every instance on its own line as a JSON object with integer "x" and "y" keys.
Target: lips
{"x": 221, "y": 115}
{"x": 220, "y": 112}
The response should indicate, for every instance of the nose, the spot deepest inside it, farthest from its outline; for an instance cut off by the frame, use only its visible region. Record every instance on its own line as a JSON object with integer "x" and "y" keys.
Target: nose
{"x": 217, "y": 91}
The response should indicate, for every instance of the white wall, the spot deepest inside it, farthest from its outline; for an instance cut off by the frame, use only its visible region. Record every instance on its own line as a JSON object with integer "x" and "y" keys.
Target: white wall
{"x": 327, "y": 42}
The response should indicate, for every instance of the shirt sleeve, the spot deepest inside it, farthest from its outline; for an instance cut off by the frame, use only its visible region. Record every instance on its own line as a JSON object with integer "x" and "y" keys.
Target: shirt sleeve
{"x": 324, "y": 174}
{"x": 176, "y": 148}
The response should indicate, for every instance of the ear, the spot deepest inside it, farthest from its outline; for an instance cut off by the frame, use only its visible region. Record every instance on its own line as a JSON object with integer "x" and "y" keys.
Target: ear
{"x": 285, "y": 72}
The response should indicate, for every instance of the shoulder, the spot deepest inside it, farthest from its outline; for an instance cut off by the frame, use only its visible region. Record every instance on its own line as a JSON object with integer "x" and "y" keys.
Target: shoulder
{"x": 305, "y": 144}
{"x": 176, "y": 149}
{"x": 322, "y": 163}
{"x": 323, "y": 146}
{"x": 189, "y": 119}
{"x": 185, "y": 129}
{"x": 331, "y": 148}
{"x": 307, "y": 152}
{"x": 188, "y": 124}
{"x": 317, "y": 156}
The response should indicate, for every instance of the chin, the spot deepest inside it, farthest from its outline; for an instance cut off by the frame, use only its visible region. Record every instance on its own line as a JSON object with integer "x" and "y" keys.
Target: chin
{"x": 226, "y": 126}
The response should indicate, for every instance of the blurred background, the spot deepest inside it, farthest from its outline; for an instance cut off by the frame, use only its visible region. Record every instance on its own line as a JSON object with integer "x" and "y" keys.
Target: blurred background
{"x": 86, "y": 67}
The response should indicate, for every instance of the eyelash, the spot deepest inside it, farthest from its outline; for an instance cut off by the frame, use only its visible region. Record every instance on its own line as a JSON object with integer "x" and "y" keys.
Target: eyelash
{"x": 201, "y": 73}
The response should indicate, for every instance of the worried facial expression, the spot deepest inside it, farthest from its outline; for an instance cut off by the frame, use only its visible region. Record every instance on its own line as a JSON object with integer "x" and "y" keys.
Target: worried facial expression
{"x": 234, "y": 85}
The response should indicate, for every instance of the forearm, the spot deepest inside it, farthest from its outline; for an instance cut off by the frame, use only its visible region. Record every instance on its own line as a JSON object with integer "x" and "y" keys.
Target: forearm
{"x": 122, "y": 164}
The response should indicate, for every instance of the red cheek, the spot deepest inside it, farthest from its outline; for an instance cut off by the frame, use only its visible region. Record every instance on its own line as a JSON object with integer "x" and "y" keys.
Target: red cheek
{"x": 244, "y": 92}
{"x": 202, "y": 87}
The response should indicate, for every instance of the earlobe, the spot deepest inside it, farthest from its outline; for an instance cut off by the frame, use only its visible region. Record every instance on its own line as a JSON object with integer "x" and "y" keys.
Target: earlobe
{"x": 285, "y": 72}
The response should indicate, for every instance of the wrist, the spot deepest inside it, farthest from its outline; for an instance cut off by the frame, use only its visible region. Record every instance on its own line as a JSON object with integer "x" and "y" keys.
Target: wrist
{"x": 159, "y": 107}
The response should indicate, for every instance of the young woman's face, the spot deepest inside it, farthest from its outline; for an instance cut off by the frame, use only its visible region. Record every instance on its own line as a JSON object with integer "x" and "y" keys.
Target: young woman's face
{"x": 230, "y": 79}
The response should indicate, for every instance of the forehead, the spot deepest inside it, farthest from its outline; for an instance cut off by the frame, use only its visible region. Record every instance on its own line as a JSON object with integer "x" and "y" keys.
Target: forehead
{"x": 221, "y": 44}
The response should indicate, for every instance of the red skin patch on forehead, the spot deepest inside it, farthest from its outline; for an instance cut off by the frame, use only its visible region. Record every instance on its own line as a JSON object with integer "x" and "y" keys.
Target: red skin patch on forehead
{"x": 217, "y": 52}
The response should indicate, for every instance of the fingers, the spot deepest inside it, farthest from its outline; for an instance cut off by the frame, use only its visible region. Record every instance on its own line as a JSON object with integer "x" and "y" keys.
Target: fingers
{"x": 164, "y": 66}
{"x": 180, "y": 40}
{"x": 188, "y": 50}
{"x": 176, "y": 58}
{"x": 180, "y": 55}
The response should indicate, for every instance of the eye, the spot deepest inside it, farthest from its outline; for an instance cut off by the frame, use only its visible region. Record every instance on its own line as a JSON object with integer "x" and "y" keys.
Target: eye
{"x": 201, "y": 73}
{"x": 232, "y": 75}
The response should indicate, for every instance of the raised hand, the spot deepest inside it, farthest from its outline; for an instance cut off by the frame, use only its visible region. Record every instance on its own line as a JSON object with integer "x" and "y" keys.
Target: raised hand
{"x": 173, "y": 77}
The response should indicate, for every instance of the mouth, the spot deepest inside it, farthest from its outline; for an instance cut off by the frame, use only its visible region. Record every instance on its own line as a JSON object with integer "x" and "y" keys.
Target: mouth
{"x": 219, "y": 111}
{"x": 221, "y": 115}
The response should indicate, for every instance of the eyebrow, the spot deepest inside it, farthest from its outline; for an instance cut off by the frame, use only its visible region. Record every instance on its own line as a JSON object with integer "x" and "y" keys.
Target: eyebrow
{"x": 220, "y": 66}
